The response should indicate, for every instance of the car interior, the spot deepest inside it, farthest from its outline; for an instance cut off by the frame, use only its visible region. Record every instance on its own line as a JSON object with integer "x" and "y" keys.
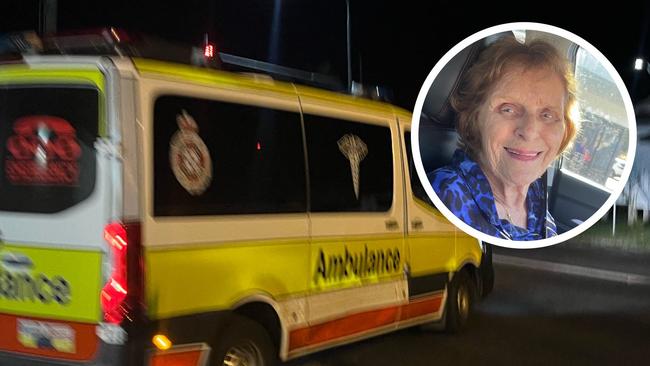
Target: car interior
{"x": 571, "y": 200}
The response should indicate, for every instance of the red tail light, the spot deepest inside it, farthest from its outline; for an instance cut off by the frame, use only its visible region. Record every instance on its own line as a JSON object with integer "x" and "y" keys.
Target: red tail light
{"x": 115, "y": 290}
{"x": 122, "y": 295}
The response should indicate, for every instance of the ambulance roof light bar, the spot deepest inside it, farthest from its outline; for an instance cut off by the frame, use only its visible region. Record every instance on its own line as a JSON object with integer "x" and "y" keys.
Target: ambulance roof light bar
{"x": 103, "y": 41}
{"x": 238, "y": 63}
{"x": 113, "y": 41}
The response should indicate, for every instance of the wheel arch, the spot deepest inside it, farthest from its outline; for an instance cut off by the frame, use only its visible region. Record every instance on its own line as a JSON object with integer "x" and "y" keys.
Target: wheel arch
{"x": 264, "y": 310}
{"x": 473, "y": 269}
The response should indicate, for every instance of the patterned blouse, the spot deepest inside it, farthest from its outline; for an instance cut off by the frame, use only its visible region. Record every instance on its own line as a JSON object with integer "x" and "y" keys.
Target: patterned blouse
{"x": 465, "y": 190}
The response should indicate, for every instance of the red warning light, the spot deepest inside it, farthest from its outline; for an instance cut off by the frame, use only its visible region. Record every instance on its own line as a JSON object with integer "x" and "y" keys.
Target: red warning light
{"x": 259, "y": 146}
{"x": 208, "y": 50}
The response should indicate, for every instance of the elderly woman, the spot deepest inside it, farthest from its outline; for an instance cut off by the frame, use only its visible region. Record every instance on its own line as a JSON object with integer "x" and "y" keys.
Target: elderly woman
{"x": 514, "y": 118}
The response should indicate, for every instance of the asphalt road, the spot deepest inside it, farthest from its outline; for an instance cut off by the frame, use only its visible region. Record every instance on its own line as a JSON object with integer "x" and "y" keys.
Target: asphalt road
{"x": 531, "y": 318}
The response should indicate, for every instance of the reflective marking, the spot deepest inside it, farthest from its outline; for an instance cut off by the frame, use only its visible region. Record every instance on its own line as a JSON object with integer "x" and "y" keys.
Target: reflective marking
{"x": 360, "y": 323}
{"x": 600, "y": 274}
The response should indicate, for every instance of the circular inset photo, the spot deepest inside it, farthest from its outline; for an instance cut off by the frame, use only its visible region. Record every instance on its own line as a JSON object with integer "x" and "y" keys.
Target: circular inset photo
{"x": 523, "y": 135}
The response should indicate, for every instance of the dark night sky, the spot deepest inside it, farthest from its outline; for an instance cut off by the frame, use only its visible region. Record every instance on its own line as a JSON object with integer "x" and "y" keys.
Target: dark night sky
{"x": 394, "y": 43}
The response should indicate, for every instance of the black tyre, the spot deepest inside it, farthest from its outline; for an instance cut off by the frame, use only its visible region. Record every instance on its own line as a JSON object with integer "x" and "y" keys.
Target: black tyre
{"x": 244, "y": 343}
{"x": 460, "y": 302}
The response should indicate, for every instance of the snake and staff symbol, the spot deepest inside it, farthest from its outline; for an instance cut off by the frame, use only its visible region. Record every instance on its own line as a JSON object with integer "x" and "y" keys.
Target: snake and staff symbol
{"x": 355, "y": 150}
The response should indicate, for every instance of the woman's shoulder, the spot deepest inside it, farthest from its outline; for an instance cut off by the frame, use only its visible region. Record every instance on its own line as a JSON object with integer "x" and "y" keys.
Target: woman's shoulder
{"x": 451, "y": 188}
{"x": 450, "y": 176}
{"x": 461, "y": 197}
{"x": 446, "y": 178}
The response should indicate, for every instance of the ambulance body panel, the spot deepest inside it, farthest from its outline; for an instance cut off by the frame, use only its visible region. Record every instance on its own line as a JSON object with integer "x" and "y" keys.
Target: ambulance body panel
{"x": 241, "y": 203}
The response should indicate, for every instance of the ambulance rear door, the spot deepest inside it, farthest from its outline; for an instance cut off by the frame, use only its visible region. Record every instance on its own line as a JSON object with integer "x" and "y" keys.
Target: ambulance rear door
{"x": 55, "y": 199}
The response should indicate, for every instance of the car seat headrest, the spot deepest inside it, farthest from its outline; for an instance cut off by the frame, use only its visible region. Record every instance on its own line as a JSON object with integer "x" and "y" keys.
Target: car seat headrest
{"x": 437, "y": 105}
{"x": 437, "y": 132}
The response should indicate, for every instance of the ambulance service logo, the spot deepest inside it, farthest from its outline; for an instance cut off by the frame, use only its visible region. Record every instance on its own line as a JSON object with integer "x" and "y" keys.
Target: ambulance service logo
{"x": 43, "y": 150}
{"x": 189, "y": 157}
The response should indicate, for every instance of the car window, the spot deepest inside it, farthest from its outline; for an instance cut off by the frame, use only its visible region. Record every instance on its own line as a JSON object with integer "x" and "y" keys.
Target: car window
{"x": 47, "y": 153}
{"x": 231, "y": 159}
{"x": 350, "y": 165}
{"x": 598, "y": 154}
{"x": 416, "y": 186}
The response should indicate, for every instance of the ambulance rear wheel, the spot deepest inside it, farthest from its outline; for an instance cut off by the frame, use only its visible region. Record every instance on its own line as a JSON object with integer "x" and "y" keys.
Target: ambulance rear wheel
{"x": 245, "y": 343}
{"x": 460, "y": 302}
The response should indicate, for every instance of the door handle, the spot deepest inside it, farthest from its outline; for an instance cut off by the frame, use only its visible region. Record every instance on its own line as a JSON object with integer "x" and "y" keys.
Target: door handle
{"x": 17, "y": 260}
{"x": 417, "y": 224}
{"x": 391, "y": 224}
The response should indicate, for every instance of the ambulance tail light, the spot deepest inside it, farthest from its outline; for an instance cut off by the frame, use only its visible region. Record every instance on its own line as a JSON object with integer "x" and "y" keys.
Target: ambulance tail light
{"x": 122, "y": 295}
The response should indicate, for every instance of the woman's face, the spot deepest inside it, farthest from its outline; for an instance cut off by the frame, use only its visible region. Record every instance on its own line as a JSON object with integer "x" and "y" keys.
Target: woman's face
{"x": 522, "y": 125}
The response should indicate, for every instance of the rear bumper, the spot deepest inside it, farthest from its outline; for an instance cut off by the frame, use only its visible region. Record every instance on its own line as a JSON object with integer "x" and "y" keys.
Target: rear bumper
{"x": 107, "y": 355}
{"x": 191, "y": 329}
{"x": 131, "y": 353}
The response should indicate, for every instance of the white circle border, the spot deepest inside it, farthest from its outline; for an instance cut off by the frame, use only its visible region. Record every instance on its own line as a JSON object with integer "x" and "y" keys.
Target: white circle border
{"x": 415, "y": 141}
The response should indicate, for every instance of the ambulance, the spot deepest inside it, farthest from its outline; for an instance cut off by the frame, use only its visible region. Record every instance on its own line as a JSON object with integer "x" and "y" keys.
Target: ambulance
{"x": 161, "y": 213}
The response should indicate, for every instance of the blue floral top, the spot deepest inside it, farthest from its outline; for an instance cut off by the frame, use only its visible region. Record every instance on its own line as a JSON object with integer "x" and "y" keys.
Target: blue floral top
{"x": 465, "y": 190}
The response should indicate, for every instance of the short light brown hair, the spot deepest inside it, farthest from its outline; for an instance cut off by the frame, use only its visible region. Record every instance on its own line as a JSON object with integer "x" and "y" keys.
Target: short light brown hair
{"x": 492, "y": 65}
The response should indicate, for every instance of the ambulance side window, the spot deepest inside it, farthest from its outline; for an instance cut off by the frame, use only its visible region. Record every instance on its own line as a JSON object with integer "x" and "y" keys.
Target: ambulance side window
{"x": 350, "y": 165}
{"x": 256, "y": 157}
{"x": 416, "y": 186}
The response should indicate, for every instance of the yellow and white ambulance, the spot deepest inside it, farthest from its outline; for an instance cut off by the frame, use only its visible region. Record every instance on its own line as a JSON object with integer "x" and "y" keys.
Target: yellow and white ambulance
{"x": 155, "y": 213}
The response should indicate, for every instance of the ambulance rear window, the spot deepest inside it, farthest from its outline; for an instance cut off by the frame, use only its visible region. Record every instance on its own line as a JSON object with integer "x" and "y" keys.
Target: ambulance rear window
{"x": 47, "y": 157}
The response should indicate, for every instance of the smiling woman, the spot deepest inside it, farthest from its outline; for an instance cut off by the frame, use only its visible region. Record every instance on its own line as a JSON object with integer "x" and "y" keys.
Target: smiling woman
{"x": 514, "y": 118}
